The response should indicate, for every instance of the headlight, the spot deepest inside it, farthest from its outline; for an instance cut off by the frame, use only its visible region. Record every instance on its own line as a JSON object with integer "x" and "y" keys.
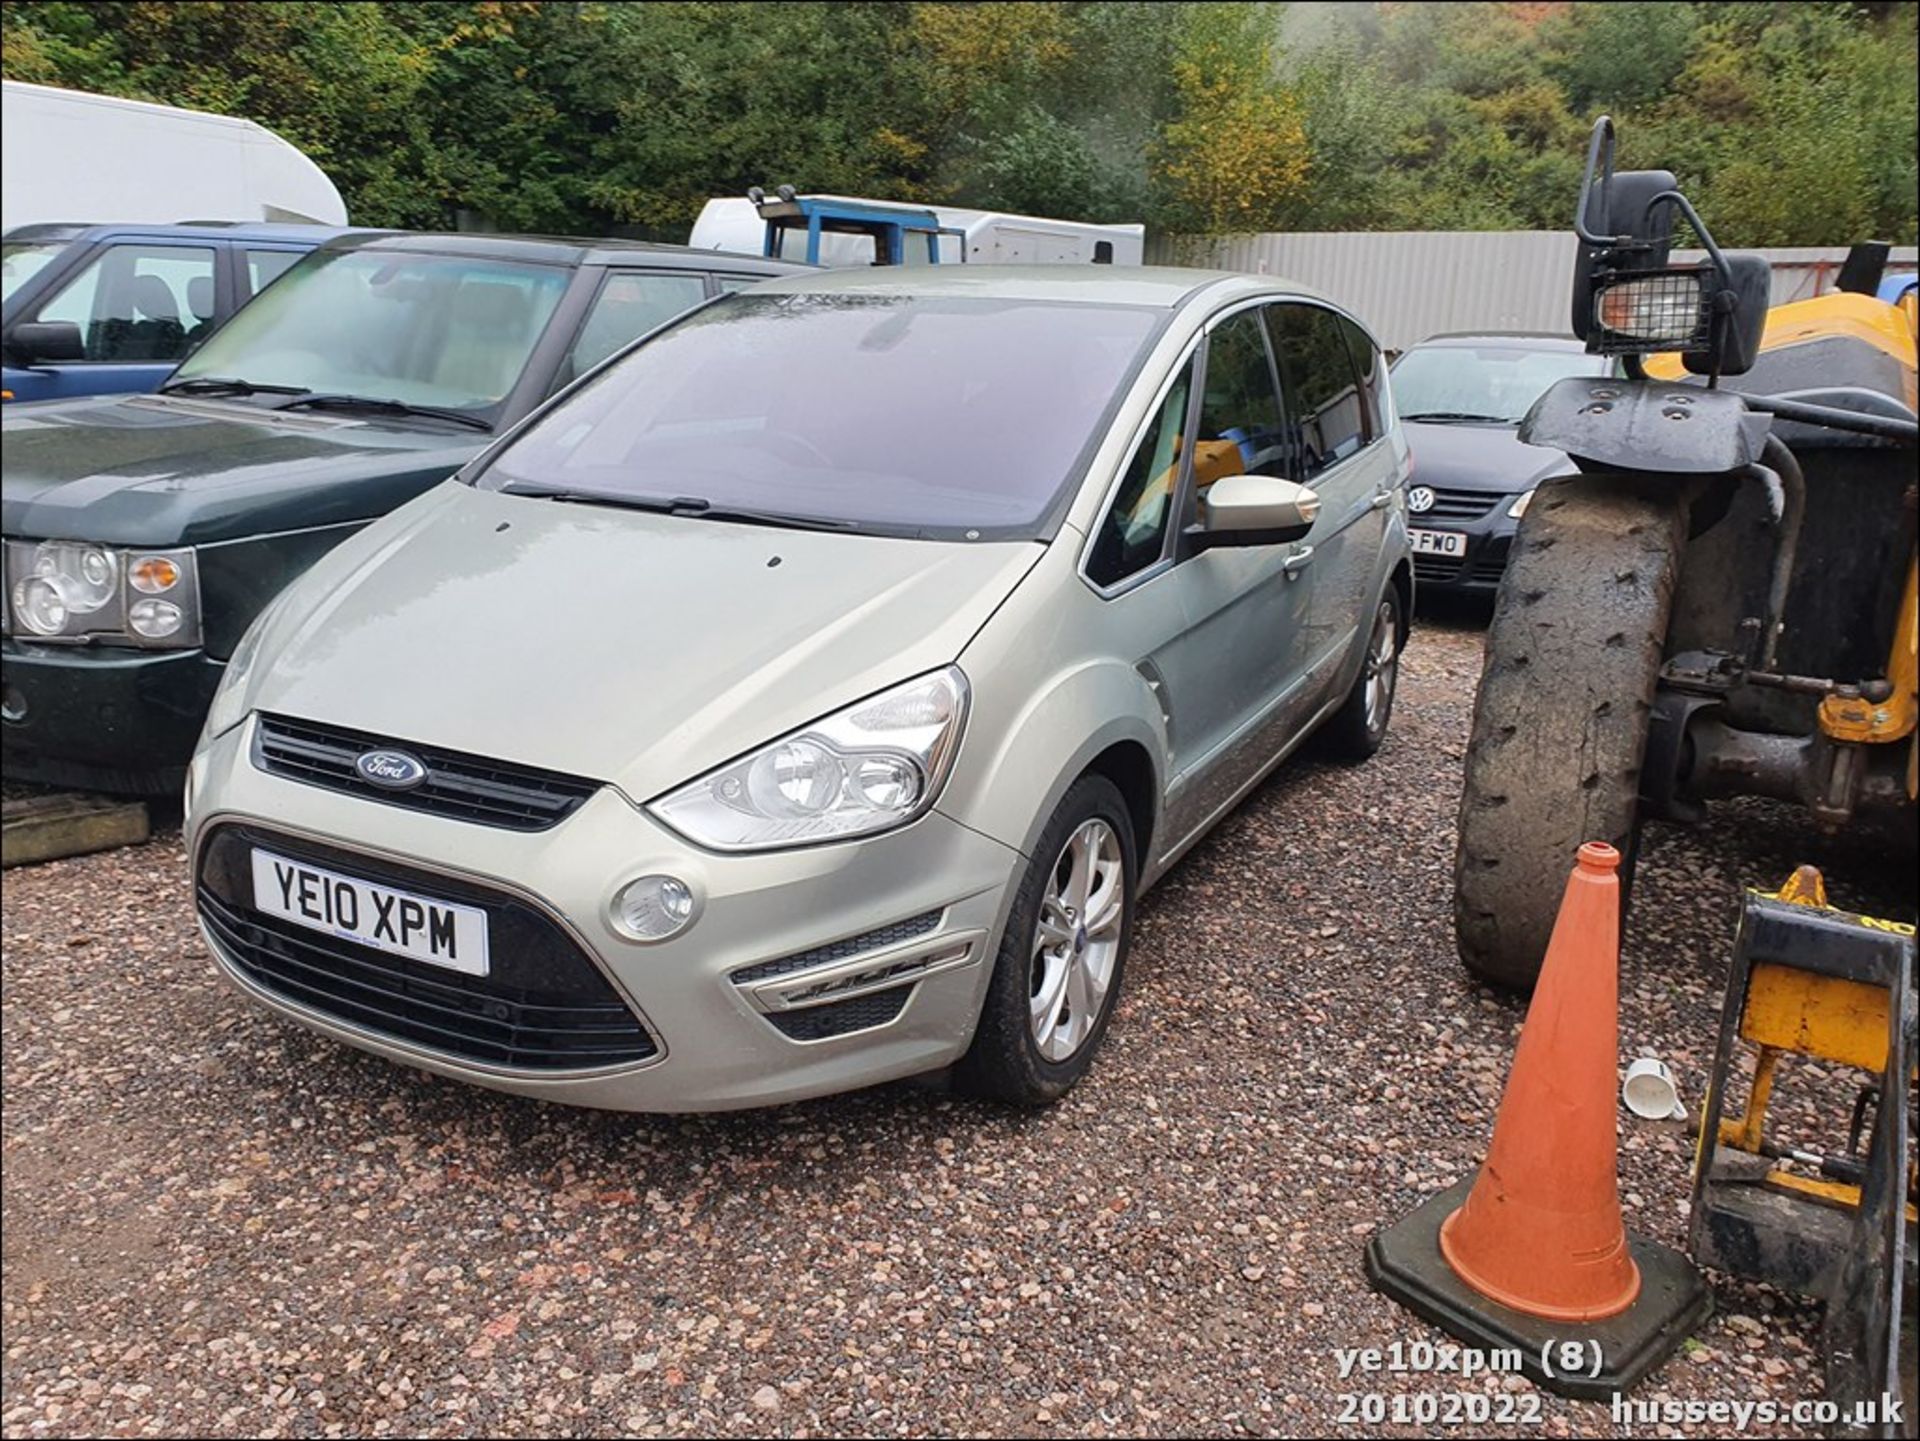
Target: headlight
{"x": 70, "y": 590}
{"x": 1519, "y": 507}
{"x": 1657, "y": 311}
{"x": 867, "y": 768}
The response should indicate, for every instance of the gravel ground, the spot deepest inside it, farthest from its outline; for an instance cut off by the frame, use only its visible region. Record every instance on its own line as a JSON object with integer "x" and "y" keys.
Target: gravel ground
{"x": 216, "y": 1224}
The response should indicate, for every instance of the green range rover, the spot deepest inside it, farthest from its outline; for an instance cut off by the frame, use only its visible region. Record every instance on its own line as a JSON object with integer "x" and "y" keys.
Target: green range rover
{"x": 143, "y": 533}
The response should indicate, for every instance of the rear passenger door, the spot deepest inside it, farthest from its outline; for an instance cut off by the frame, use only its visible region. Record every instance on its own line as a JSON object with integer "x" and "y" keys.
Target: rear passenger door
{"x": 1330, "y": 384}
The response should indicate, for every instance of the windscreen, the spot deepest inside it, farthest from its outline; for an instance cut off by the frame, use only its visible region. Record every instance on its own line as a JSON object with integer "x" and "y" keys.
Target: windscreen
{"x": 389, "y": 325}
{"x": 912, "y": 415}
{"x": 1486, "y": 383}
{"x": 21, "y": 260}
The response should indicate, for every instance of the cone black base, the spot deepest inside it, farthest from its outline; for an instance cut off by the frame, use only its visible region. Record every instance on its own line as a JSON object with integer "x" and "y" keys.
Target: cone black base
{"x": 1404, "y": 1263}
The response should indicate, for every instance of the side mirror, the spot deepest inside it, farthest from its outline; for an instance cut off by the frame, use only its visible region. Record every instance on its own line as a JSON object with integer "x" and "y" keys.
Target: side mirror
{"x": 1256, "y": 510}
{"x": 45, "y": 342}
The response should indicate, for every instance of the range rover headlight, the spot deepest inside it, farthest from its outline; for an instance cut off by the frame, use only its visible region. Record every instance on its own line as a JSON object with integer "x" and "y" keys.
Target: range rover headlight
{"x": 868, "y": 768}
{"x": 72, "y": 590}
{"x": 40, "y": 605}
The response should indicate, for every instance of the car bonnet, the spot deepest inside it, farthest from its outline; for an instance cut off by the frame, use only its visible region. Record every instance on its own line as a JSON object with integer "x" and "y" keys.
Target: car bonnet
{"x": 618, "y": 645}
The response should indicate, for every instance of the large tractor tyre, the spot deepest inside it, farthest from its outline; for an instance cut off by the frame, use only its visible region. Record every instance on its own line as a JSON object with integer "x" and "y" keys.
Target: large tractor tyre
{"x": 1573, "y": 654}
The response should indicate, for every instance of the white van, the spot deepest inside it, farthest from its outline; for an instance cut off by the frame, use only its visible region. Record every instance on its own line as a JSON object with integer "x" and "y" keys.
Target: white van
{"x": 70, "y": 157}
{"x": 982, "y": 236}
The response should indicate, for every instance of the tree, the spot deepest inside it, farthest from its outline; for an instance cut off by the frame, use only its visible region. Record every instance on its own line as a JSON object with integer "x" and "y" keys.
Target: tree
{"x": 1234, "y": 155}
{"x": 1789, "y": 124}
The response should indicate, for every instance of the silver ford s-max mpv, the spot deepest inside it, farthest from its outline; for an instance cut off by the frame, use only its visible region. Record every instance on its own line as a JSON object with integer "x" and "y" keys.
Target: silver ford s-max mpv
{"x": 805, "y": 697}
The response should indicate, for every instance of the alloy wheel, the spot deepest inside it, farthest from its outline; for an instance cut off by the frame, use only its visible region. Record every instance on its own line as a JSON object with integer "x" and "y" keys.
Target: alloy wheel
{"x": 1076, "y": 940}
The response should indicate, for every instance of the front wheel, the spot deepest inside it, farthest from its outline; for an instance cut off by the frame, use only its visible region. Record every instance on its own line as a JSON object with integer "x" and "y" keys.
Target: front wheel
{"x": 1560, "y": 720}
{"x": 1060, "y": 962}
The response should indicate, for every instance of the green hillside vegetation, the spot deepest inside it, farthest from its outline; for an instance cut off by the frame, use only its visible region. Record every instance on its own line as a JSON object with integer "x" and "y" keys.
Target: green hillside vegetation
{"x": 1791, "y": 124}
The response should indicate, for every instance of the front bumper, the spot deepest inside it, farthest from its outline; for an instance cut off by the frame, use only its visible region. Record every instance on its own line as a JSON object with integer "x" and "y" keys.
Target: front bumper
{"x": 104, "y": 718}
{"x": 719, "y": 1042}
{"x": 1478, "y": 572}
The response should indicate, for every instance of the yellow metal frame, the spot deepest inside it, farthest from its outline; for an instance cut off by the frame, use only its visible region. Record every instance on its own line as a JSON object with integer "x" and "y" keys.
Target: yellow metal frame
{"x": 1829, "y": 1018}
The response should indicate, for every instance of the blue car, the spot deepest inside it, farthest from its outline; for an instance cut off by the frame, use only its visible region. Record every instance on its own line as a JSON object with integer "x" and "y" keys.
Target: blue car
{"x": 102, "y": 309}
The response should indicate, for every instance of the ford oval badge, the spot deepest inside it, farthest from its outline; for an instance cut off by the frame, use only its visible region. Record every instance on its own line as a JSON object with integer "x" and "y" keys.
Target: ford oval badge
{"x": 391, "y": 770}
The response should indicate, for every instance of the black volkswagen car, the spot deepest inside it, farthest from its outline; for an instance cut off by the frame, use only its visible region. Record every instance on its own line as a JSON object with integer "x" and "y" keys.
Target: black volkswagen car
{"x": 143, "y": 533}
{"x": 1462, "y": 398}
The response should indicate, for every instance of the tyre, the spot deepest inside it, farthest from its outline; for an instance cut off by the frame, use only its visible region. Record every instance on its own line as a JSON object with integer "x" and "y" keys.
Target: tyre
{"x": 1061, "y": 960}
{"x": 1356, "y": 730}
{"x": 1560, "y": 720}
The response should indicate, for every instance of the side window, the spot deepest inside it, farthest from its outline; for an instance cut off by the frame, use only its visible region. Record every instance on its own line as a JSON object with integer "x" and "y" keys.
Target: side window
{"x": 1240, "y": 432}
{"x": 730, "y": 283}
{"x": 1326, "y": 409}
{"x": 627, "y": 307}
{"x": 1133, "y": 532}
{"x": 1371, "y": 371}
{"x": 139, "y": 302}
{"x": 266, "y": 266}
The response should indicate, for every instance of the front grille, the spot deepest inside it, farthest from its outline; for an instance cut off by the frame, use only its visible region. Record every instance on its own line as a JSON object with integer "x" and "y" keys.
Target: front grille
{"x": 1456, "y": 505}
{"x": 1446, "y": 570}
{"x": 840, "y": 950}
{"x": 544, "y": 1006}
{"x": 460, "y": 786}
{"x": 842, "y": 1018}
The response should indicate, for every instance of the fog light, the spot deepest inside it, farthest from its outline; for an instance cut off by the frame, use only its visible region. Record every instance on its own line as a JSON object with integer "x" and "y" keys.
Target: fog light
{"x": 154, "y": 619}
{"x": 653, "y": 908}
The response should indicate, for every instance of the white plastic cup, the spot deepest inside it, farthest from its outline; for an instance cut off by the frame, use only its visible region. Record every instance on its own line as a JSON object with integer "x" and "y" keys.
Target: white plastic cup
{"x": 1650, "y": 1092}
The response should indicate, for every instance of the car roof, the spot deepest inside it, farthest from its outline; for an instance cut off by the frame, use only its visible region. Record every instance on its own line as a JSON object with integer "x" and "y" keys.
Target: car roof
{"x": 1532, "y": 339}
{"x": 564, "y": 250}
{"x": 193, "y": 229}
{"x": 1161, "y": 286}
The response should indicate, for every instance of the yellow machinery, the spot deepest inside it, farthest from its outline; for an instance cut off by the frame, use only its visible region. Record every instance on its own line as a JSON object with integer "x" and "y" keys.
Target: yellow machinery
{"x": 1813, "y": 982}
{"x": 1722, "y": 601}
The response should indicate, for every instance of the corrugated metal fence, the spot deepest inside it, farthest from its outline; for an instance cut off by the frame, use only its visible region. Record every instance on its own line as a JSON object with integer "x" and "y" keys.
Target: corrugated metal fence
{"x": 1407, "y": 285}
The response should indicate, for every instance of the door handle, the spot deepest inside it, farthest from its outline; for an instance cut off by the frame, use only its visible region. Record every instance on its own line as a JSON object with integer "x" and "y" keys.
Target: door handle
{"x": 1297, "y": 562}
{"x": 1381, "y": 499}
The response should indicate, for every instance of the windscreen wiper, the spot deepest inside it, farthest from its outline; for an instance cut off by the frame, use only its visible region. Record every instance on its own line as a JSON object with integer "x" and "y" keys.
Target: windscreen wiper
{"x": 308, "y": 400}
{"x": 227, "y": 385}
{"x": 690, "y": 506}
{"x": 1465, "y": 415}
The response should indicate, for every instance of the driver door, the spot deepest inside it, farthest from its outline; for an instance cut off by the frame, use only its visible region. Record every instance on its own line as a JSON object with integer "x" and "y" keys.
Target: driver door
{"x": 1234, "y": 673}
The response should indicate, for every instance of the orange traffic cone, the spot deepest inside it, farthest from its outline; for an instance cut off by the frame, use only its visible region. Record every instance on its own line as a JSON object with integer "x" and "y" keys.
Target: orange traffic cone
{"x": 1541, "y": 1230}
{"x": 1531, "y": 1257}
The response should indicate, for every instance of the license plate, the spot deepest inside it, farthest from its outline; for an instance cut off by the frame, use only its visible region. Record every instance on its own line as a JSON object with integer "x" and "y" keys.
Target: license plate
{"x": 1438, "y": 542}
{"x": 398, "y": 922}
